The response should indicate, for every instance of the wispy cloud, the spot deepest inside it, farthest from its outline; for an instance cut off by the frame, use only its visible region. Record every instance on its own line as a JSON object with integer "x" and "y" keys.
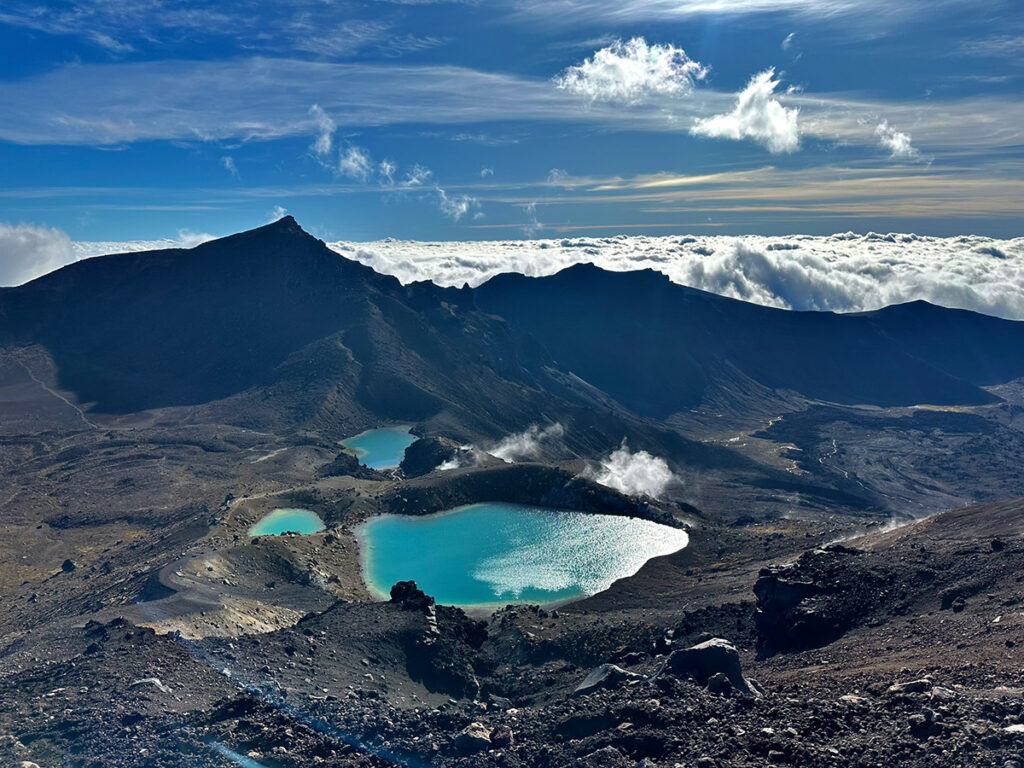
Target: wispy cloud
{"x": 324, "y": 142}
{"x": 266, "y": 99}
{"x": 631, "y": 71}
{"x": 757, "y": 116}
{"x": 354, "y": 163}
{"x": 229, "y": 165}
{"x": 897, "y": 142}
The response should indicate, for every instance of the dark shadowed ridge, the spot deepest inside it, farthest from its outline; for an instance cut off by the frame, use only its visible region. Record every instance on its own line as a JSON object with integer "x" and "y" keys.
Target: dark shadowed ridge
{"x": 659, "y": 347}
{"x": 274, "y": 304}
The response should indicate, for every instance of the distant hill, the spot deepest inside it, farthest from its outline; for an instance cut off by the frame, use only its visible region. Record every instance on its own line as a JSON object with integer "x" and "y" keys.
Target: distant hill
{"x": 660, "y": 348}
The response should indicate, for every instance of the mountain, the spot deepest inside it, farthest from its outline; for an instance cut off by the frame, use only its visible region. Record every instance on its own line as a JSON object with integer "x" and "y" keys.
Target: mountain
{"x": 274, "y": 311}
{"x": 660, "y": 348}
{"x": 270, "y": 309}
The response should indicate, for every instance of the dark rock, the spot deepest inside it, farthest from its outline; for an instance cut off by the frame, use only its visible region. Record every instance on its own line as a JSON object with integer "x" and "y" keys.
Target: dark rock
{"x": 605, "y": 757}
{"x": 501, "y": 736}
{"x": 427, "y": 454}
{"x": 998, "y": 545}
{"x": 411, "y": 597}
{"x": 68, "y": 566}
{"x": 603, "y": 677}
{"x": 705, "y": 660}
{"x": 475, "y": 737}
{"x": 719, "y": 683}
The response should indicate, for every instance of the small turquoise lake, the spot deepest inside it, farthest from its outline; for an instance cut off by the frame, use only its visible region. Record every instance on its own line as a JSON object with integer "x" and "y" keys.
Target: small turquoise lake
{"x": 491, "y": 554}
{"x": 282, "y": 521}
{"x": 380, "y": 448}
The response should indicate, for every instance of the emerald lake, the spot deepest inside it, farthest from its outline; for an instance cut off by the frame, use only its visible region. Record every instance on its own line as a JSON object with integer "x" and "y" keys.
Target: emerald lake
{"x": 491, "y": 554}
{"x": 380, "y": 448}
{"x": 282, "y": 521}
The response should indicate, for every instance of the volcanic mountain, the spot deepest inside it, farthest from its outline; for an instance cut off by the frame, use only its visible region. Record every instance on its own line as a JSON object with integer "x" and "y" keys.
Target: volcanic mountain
{"x": 274, "y": 310}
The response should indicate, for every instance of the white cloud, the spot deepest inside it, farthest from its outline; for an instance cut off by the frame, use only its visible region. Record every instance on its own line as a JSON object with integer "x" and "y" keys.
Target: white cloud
{"x": 485, "y": 172}
{"x": 557, "y": 176}
{"x": 757, "y": 116}
{"x": 632, "y": 71}
{"x": 843, "y": 273}
{"x": 456, "y": 206}
{"x": 256, "y": 98}
{"x": 529, "y": 445}
{"x": 635, "y": 474}
{"x": 278, "y": 212}
{"x": 417, "y": 176}
{"x": 897, "y": 142}
{"x": 788, "y": 41}
{"x": 355, "y": 163}
{"x": 324, "y": 142}
{"x": 28, "y": 251}
{"x": 229, "y": 165}
{"x": 386, "y": 169}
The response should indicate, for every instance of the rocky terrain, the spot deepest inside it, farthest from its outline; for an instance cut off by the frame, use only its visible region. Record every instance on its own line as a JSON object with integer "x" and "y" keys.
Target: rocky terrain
{"x": 821, "y": 615}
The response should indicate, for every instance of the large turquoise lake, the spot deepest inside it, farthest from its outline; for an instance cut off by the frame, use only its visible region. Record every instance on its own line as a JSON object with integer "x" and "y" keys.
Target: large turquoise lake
{"x": 380, "y": 448}
{"x": 488, "y": 555}
{"x": 282, "y": 521}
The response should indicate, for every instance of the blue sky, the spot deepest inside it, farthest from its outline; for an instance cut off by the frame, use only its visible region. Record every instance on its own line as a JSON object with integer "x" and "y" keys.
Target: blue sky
{"x": 493, "y": 119}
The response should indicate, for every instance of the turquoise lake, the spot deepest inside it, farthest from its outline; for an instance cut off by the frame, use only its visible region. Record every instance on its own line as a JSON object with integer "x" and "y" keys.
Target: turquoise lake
{"x": 491, "y": 554}
{"x": 380, "y": 448}
{"x": 288, "y": 521}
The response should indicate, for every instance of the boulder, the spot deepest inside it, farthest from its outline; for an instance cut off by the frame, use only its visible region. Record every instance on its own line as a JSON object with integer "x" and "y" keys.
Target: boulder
{"x": 705, "y": 660}
{"x": 427, "y": 454}
{"x": 501, "y": 736}
{"x": 475, "y": 737}
{"x": 604, "y": 677}
{"x": 411, "y": 597}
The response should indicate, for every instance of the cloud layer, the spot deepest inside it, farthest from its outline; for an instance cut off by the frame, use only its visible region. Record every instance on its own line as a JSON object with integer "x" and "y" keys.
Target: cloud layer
{"x": 26, "y": 252}
{"x": 843, "y": 272}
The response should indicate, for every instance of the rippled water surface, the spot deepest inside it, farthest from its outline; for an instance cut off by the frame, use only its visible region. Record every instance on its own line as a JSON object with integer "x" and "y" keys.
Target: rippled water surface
{"x": 492, "y": 554}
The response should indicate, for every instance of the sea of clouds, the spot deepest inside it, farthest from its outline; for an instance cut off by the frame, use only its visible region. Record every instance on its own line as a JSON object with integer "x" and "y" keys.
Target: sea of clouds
{"x": 843, "y": 272}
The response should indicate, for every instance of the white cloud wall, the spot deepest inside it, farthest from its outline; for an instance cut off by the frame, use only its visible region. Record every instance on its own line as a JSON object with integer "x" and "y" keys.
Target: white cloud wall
{"x": 843, "y": 272}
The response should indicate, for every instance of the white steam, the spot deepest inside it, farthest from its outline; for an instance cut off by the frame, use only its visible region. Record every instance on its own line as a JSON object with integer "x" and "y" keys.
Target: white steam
{"x": 528, "y": 445}
{"x": 635, "y": 474}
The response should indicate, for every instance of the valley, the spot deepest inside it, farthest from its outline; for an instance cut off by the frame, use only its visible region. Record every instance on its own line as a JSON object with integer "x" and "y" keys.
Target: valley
{"x": 809, "y": 460}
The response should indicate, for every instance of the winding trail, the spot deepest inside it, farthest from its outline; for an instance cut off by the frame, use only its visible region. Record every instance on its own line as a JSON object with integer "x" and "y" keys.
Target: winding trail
{"x": 46, "y": 387}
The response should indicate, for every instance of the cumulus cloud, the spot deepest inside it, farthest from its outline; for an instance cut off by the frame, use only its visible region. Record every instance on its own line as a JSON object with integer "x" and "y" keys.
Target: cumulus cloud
{"x": 28, "y": 251}
{"x": 529, "y": 445}
{"x": 757, "y": 116}
{"x": 897, "y": 142}
{"x": 355, "y": 163}
{"x": 844, "y": 272}
{"x": 635, "y": 474}
{"x": 632, "y": 71}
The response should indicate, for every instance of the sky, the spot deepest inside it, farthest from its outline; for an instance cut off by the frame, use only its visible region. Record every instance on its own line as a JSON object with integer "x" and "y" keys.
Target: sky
{"x": 479, "y": 120}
